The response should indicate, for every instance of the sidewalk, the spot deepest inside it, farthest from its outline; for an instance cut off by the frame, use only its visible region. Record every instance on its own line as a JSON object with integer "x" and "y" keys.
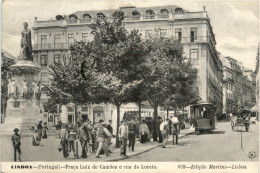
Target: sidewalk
{"x": 139, "y": 149}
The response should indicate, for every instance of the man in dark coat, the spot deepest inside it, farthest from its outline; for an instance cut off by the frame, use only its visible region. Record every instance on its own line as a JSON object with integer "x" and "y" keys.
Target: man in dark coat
{"x": 154, "y": 130}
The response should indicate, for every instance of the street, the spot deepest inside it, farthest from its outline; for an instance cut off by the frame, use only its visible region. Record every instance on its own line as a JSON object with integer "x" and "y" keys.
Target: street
{"x": 221, "y": 145}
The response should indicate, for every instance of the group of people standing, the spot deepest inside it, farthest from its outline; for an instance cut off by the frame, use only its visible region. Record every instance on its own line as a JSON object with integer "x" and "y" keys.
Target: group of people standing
{"x": 90, "y": 139}
{"x": 40, "y": 133}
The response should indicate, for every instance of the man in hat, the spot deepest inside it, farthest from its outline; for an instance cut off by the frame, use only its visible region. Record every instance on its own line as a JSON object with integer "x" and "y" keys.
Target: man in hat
{"x": 84, "y": 137}
{"x": 123, "y": 136}
{"x": 102, "y": 134}
{"x": 110, "y": 129}
{"x": 16, "y": 139}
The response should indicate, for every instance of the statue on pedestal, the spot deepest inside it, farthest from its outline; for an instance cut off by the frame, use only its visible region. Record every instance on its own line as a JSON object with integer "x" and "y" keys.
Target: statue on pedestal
{"x": 24, "y": 89}
{"x": 26, "y": 44}
{"x": 13, "y": 89}
{"x": 35, "y": 89}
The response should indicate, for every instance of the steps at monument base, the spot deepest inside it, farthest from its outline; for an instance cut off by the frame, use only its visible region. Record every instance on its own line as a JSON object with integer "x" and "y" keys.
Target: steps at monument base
{"x": 22, "y": 118}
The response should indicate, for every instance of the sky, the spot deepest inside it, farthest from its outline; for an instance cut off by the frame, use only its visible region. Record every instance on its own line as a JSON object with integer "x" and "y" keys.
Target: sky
{"x": 235, "y": 23}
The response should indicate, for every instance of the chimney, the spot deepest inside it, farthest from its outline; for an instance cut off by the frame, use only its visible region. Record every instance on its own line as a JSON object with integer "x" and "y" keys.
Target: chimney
{"x": 35, "y": 18}
{"x": 204, "y": 8}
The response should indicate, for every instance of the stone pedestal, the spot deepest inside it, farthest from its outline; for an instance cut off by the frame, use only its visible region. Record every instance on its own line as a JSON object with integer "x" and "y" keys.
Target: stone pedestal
{"x": 22, "y": 112}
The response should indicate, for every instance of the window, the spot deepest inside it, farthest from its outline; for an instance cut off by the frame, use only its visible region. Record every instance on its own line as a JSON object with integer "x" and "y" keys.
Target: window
{"x": 84, "y": 109}
{"x": 44, "y": 60}
{"x": 84, "y": 37}
{"x": 135, "y": 15}
{"x": 150, "y": 14}
{"x": 70, "y": 38}
{"x": 178, "y": 33}
{"x": 57, "y": 58}
{"x": 70, "y": 109}
{"x": 86, "y": 16}
{"x": 193, "y": 34}
{"x": 194, "y": 54}
{"x": 100, "y": 16}
{"x": 178, "y": 10}
{"x": 43, "y": 41}
{"x": 148, "y": 33}
{"x": 44, "y": 78}
{"x": 57, "y": 40}
{"x": 164, "y": 12}
{"x": 163, "y": 32}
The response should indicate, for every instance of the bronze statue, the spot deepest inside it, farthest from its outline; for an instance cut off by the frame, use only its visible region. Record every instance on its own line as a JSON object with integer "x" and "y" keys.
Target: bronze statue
{"x": 26, "y": 44}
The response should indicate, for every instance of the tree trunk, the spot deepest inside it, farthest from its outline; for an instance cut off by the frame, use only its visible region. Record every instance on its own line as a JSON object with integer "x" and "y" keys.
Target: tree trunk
{"x": 139, "y": 109}
{"x": 117, "y": 125}
{"x": 175, "y": 111}
{"x": 167, "y": 112}
{"x": 75, "y": 119}
{"x": 155, "y": 113}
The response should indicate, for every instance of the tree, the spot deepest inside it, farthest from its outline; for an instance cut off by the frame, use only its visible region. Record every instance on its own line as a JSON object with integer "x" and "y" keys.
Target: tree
{"x": 164, "y": 61}
{"x": 119, "y": 56}
{"x": 4, "y": 87}
{"x": 68, "y": 85}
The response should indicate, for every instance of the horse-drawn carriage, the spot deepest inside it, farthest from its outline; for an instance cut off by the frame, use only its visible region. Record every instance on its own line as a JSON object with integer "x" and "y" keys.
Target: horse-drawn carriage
{"x": 242, "y": 119}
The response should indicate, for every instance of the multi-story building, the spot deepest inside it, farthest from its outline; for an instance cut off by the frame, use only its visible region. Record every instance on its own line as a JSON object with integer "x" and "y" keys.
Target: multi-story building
{"x": 257, "y": 107}
{"x": 238, "y": 85}
{"x": 192, "y": 29}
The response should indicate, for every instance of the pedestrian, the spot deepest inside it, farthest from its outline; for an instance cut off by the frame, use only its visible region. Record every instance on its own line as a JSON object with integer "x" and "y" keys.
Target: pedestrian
{"x": 71, "y": 137}
{"x": 84, "y": 137}
{"x": 110, "y": 129}
{"x": 143, "y": 132}
{"x": 131, "y": 134}
{"x": 170, "y": 125}
{"x": 164, "y": 128}
{"x": 16, "y": 140}
{"x": 102, "y": 134}
{"x": 58, "y": 127}
{"x": 39, "y": 129}
{"x": 159, "y": 134}
{"x": 150, "y": 127}
{"x": 123, "y": 136}
{"x": 175, "y": 129}
{"x": 154, "y": 133}
{"x": 44, "y": 129}
{"x": 64, "y": 142}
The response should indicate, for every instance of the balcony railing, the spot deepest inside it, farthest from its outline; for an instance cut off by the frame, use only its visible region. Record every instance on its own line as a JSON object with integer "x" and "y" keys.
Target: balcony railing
{"x": 50, "y": 46}
{"x": 149, "y": 17}
{"x": 195, "y": 39}
{"x": 175, "y": 16}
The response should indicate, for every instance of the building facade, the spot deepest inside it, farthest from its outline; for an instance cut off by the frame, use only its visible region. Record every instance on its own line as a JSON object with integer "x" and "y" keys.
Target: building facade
{"x": 257, "y": 107}
{"x": 239, "y": 84}
{"x": 6, "y": 60}
{"x": 192, "y": 29}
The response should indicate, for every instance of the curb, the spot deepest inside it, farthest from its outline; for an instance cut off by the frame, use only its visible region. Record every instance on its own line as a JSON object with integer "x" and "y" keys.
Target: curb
{"x": 141, "y": 152}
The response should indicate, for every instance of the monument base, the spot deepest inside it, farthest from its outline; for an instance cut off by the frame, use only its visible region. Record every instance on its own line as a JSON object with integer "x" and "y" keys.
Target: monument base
{"x": 21, "y": 114}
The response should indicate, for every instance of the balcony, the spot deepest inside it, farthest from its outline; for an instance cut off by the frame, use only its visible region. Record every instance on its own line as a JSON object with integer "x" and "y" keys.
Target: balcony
{"x": 51, "y": 46}
{"x": 195, "y": 39}
{"x": 228, "y": 79}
